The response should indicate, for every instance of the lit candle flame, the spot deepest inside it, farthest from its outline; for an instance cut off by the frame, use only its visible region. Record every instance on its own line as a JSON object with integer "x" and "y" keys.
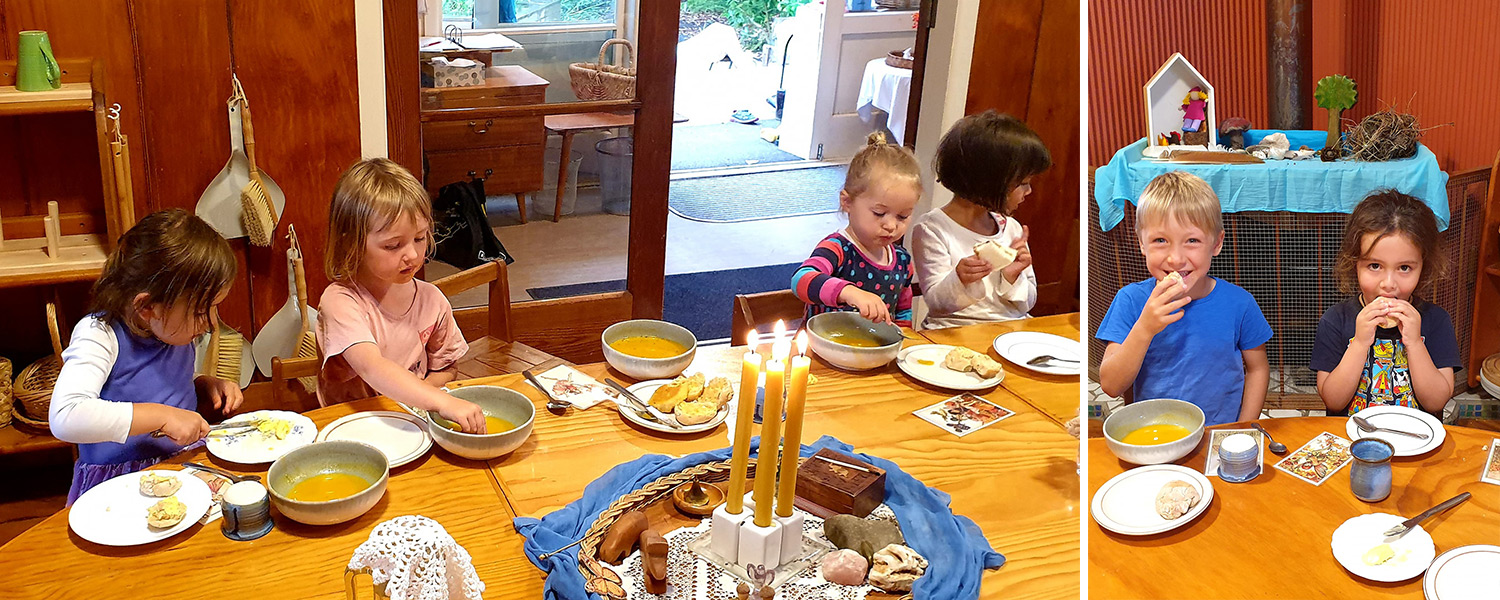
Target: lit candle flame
{"x": 779, "y": 330}
{"x": 754, "y": 340}
{"x": 781, "y": 349}
{"x": 802, "y": 343}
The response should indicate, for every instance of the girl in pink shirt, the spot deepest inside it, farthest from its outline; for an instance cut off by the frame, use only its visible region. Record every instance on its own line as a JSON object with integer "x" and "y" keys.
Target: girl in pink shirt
{"x": 381, "y": 330}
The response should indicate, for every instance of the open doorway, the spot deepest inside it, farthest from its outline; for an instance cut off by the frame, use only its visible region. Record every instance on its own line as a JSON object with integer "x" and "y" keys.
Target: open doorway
{"x": 772, "y": 99}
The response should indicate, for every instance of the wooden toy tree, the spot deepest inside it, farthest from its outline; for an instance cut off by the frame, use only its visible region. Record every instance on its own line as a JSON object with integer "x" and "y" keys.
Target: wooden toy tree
{"x": 1335, "y": 93}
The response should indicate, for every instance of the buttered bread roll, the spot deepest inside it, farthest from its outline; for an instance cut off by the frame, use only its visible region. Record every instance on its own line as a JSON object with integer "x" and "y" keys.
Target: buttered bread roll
{"x": 159, "y": 485}
{"x": 999, "y": 256}
{"x": 693, "y": 413}
{"x": 166, "y": 513}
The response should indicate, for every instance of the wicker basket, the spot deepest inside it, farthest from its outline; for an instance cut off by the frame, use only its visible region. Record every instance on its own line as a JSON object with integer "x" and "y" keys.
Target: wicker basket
{"x": 7, "y": 401}
{"x": 598, "y": 81}
{"x": 898, "y": 59}
{"x": 33, "y": 388}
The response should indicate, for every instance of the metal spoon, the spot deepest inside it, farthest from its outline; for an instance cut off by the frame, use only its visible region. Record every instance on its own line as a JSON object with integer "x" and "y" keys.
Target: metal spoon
{"x": 554, "y": 406}
{"x": 221, "y": 472}
{"x": 1045, "y": 358}
{"x": 1275, "y": 446}
{"x": 1367, "y": 427}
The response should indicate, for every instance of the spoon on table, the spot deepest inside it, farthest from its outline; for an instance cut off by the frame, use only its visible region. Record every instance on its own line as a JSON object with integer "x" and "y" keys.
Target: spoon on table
{"x": 1275, "y": 446}
{"x": 222, "y": 472}
{"x": 1368, "y": 427}
{"x": 1406, "y": 525}
{"x": 1047, "y": 358}
{"x": 554, "y": 405}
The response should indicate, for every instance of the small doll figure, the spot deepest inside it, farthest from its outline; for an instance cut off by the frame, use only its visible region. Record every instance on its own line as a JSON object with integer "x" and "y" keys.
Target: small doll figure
{"x": 1194, "y": 109}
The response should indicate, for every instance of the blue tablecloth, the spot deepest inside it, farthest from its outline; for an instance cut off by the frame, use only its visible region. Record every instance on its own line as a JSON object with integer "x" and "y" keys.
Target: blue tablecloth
{"x": 1310, "y": 186}
{"x": 955, "y": 548}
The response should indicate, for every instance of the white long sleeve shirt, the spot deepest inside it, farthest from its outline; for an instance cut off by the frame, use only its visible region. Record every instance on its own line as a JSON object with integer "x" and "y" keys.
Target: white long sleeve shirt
{"x": 938, "y": 243}
{"x": 78, "y": 415}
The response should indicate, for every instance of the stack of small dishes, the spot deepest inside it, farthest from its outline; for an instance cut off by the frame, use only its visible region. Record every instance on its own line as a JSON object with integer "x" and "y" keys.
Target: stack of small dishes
{"x": 1239, "y": 458}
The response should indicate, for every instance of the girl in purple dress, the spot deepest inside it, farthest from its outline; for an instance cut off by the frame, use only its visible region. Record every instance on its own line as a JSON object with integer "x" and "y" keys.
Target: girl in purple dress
{"x": 128, "y": 370}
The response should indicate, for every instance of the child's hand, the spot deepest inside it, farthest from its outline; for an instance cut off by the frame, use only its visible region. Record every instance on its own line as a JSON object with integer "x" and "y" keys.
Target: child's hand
{"x": 183, "y": 427}
{"x": 1407, "y": 318}
{"x": 466, "y": 414}
{"x": 225, "y": 396}
{"x": 1164, "y": 306}
{"x": 972, "y": 269}
{"x": 1013, "y": 270}
{"x": 1368, "y": 320}
{"x": 869, "y": 305}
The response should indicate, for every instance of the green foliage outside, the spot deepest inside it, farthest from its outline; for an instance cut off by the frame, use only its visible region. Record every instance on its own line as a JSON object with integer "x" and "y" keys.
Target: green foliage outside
{"x": 753, "y": 19}
{"x": 568, "y": 11}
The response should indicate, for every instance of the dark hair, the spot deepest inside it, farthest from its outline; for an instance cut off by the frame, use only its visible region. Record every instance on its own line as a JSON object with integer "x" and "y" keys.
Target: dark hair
{"x": 985, "y": 156}
{"x": 1389, "y": 212}
{"x": 172, "y": 257}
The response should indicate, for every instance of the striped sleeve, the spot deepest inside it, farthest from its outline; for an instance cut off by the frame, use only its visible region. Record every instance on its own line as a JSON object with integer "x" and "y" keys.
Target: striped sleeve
{"x": 814, "y": 282}
{"x": 902, "y": 315}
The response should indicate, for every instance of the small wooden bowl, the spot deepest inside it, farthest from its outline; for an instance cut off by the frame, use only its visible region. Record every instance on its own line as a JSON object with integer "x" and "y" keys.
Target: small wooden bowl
{"x": 714, "y": 494}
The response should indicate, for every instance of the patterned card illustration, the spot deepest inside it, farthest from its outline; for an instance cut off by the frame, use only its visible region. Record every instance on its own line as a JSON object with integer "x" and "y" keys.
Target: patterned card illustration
{"x": 1211, "y": 468}
{"x": 1318, "y": 459}
{"x": 1491, "y": 473}
{"x": 964, "y": 414}
{"x": 216, "y": 486}
{"x": 568, "y": 385}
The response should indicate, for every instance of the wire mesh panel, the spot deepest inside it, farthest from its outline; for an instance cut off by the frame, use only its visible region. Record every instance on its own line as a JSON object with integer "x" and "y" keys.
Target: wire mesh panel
{"x": 1285, "y": 260}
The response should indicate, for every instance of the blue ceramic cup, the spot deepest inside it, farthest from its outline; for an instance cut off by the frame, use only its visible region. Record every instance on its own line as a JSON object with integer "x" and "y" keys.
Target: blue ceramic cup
{"x": 1370, "y": 475}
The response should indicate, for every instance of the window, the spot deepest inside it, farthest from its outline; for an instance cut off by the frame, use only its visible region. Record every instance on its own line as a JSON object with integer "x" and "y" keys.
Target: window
{"x": 502, "y": 14}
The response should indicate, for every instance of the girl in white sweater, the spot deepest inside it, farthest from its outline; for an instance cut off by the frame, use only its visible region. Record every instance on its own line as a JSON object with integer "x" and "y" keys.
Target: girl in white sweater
{"x": 987, "y": 160}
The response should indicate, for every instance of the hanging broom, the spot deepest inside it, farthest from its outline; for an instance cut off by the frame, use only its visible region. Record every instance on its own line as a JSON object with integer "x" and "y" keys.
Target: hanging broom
{"x": 307, "y": 341}
{"x": 226, "y": 348}
{"x": 258, "y": 212}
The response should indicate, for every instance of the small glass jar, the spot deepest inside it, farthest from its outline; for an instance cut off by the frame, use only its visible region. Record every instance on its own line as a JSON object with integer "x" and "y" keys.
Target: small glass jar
{"x": 1370, "y": 475}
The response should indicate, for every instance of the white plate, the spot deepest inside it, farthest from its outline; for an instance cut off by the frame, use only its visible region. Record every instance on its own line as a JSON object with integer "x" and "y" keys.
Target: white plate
{"x": 1403, "y": 419}
{"x": 1414, "y": 551}
{"x": 1021, "y": 346}
{"x": 937, "y": 374}
{"x": 644, "y": 389}
{"x": 1127, "y": 502}
{"x": 113, "y": 513}
{"x": 1463, "y": 573}
{"x": 254, "y": 447}
{"x": 401, "y": 437}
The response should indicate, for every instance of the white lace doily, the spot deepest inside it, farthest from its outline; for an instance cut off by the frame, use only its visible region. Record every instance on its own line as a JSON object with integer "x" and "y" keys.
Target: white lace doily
{"x": 690, "y": 577}
{"x": 417, "y": 560}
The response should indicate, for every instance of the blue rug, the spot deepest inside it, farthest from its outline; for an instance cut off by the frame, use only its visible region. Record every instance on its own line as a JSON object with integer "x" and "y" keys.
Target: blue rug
{"x": 701, "y": 302}
{"x": 725, "y": 145}
{"x": 755, "y": 196}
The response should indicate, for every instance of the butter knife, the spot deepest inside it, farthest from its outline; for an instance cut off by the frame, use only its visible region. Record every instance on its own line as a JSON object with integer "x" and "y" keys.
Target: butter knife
{"x": 1406, "y": 525}
{"x": 640, "y": 407}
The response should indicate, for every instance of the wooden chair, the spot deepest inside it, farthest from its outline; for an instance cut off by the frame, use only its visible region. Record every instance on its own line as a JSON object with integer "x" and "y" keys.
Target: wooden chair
{"x": 757, "y": 311}
{"x": 492, "y": 339}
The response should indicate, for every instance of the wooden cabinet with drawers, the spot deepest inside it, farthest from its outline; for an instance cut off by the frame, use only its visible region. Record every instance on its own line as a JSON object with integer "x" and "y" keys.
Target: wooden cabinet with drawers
{"x": 505, "y": 151}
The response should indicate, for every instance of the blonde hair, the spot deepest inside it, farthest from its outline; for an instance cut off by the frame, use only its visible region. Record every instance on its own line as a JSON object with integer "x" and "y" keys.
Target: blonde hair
{"x": 881, "y": 159}
{"x": 1180, "y": 195}
{"x": 371, "y": 195}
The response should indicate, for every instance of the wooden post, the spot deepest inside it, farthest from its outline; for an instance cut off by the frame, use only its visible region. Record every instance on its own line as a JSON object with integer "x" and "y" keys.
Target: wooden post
{"x": 52, "y": 224}
{"x": 2, "y": 232}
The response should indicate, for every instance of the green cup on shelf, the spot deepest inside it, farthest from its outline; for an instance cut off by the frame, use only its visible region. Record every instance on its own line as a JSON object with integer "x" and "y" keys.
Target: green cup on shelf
{"x": 37, "y": 69}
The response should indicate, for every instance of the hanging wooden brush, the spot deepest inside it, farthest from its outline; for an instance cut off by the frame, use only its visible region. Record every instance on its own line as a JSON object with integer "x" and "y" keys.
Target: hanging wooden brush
{"x": 259, "y": 213}
{"x": 307, "y": 341}
{"x": 226, "y": 348}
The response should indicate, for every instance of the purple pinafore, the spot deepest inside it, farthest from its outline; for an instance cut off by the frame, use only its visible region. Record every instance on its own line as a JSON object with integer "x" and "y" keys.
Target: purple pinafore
{"x": 145, "y": 370}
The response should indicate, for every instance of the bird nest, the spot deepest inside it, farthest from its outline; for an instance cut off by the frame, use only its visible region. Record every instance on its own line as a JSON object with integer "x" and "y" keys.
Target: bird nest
{"x": 1385, "y": 135}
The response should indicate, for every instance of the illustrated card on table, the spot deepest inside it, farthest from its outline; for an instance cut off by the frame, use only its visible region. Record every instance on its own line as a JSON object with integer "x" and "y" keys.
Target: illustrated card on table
{"x": 1211, "y": 469}
{"x": 964, "y": 414}
{"x": 1491, "y": 473}
{"x": 569, "y": 385}
{"x": 1318, "y": 459}
{"x": 216, "y": 485}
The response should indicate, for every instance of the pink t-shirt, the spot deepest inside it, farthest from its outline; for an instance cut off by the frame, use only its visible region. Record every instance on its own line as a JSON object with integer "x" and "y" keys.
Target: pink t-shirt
{"x": 421, "y": 339}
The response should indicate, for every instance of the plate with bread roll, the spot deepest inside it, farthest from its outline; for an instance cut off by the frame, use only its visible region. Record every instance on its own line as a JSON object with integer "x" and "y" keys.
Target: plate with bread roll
{"x": 950, "y": 367}
{"x": 694, "y": 402}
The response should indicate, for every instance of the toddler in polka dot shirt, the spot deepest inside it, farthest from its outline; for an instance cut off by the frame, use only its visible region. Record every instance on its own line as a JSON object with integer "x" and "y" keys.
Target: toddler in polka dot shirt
{"x": 861, "y": 267}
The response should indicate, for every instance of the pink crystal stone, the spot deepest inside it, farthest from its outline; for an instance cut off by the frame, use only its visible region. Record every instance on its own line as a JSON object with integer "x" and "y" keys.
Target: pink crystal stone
{"x": 845, "y": 567}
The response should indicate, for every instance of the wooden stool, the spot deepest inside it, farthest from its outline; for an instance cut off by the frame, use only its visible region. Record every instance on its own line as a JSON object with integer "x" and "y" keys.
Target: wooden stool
{"x": 569, "y": 124}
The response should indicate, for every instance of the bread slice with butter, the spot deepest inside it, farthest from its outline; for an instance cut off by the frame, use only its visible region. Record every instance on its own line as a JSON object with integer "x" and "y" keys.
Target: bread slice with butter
{"x": 998, "y": 255}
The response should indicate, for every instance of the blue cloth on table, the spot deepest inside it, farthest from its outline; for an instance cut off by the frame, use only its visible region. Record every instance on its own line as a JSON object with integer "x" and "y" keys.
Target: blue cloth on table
{"x": 955, "y": 548}
{"x": 1309, "y": 186}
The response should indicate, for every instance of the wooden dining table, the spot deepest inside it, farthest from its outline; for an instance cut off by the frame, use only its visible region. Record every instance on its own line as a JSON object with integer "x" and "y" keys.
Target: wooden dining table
{"x": 1057, "y": 396}
{"x": 1017, "y": 479}
{"x": 1271, "y": 537}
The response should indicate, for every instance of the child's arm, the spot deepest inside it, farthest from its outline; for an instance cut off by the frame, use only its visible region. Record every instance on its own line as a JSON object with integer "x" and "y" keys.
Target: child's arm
{"x": 78, "y": 415}
{"x": 1337, "y": 387}
{"x": 814, "y": 283}
{"x": 948, "y": 285}
{"x": 1257, "y": 381}
{"x": 1433, "y": 387}
{"x": 441, "y": 378}
{"x": 1122, "y": 362}
{"x": 402, "y": 386}
{"x": 902, "y": 316}
{"x": 444, "y": 349}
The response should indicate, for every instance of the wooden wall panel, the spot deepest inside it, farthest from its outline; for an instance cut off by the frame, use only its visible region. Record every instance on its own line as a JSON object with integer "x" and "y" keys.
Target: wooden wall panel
{"x": 403, "y": 76}
{"x": 655, "y": 87}
{"x": 295, "y": 60}
{"x": 1029, "y": 69}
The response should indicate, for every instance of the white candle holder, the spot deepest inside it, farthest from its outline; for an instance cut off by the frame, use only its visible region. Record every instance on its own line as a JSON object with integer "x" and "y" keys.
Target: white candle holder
{"x": 749, "y": 502}
{"x": 791, "y": 537}
{"x": 759, "y": 545}
{"x": 725, "y": 529}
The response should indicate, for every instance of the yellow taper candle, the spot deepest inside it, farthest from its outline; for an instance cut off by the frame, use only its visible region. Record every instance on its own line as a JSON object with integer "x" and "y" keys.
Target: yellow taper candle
{"x": 770, "y": 435}
{"x": 796, "y": 396}
{"x": 744, "y": 420}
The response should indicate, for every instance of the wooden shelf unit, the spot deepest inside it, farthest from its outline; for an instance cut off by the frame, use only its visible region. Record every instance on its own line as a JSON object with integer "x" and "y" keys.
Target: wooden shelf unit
{"x": 26, "y": 261}
{"x": 1484, "y": 338}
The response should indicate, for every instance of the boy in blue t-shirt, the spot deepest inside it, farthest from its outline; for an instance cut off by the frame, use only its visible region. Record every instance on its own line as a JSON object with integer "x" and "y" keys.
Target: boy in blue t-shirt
{"x": 1184, "y": 334}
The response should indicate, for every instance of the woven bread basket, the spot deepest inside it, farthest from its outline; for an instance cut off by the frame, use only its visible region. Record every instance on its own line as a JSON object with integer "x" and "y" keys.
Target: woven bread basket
{"x": 897, "y": 58}
{"x": 33, "y": 387}
{"x": 599, "y": 81}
